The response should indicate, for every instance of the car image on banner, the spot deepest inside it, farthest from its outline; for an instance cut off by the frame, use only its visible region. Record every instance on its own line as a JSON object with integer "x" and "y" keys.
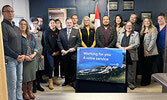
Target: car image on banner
{"x": 101, "y": 64}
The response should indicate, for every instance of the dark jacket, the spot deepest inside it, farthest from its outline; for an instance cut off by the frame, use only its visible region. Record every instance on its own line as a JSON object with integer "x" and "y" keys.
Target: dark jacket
{"x": 73, "y": 42}
{"x": 87, "y": 40}
{"x": 51, "y": 40}
{"x": 11, "y": 39}
{"x": 100, "y": 38}
{"x": 32, "y": 43}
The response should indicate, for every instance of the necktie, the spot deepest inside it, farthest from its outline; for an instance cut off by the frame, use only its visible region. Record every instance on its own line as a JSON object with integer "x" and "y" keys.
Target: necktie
{"x": 68, "y": 34}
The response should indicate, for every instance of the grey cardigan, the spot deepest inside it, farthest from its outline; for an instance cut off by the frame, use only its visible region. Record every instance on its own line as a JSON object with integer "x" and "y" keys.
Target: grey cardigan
{"x": 134, "y": 42}
{"x": 150, "y": 42}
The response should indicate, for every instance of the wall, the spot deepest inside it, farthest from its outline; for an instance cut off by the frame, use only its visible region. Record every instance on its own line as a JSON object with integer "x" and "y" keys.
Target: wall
{"x": 84, "y": 7}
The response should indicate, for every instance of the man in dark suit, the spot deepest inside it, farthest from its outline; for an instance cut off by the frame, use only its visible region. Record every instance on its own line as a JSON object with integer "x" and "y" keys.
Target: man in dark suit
{"x": 68, "y": 41}
{"x": 106, "y": 36}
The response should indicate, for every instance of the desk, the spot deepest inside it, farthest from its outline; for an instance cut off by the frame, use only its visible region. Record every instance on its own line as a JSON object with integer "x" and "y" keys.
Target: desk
{"x": 162, "y": 79}
{"x": 102, "y": 96}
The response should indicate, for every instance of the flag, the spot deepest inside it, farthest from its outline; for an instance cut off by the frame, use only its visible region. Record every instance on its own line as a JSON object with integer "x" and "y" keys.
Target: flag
{"x": 97, "y": 17}
{"x": 107, "y": 8}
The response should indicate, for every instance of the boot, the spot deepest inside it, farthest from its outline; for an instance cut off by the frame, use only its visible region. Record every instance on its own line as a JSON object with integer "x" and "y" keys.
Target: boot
{"x": 55, "y": 80}
{"x": 51, "y": 84}
{"x": 25, "y": 94}
{"x": 31, "y": 95}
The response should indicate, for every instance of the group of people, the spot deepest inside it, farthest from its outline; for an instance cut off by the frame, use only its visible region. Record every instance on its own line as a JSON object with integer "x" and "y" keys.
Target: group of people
{"x": 26, "y": 50}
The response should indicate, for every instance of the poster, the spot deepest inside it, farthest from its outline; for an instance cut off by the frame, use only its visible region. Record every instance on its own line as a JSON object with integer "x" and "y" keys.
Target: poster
{"x": 101, "y": 64}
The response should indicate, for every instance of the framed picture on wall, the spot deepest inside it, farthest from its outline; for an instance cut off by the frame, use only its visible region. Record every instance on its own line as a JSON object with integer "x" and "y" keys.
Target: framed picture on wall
{"x": 92, "y": 17}
{"x": 128, "y": 5}
{"x": 145, "y": 14}
{"x": 113, "y": 5}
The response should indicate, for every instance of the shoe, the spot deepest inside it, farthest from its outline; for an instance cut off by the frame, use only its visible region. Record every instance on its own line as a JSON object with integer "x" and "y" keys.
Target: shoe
{"x": 132, "y": 88}
{"x": 51, "y": 84}
{"x": 25, "y": 94}
{"x": 40, "y": 88}
{"x": 31, "y": 95}
{"x": 55, "y": 81}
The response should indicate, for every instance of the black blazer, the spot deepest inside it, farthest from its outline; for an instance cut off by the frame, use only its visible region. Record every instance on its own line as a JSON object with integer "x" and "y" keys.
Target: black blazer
{"x": 100, "y": 39}
{"x": 73, "y": 42}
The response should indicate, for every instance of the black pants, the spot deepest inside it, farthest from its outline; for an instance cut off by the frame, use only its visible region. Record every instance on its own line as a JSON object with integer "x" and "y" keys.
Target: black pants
{"x": 147, "y": 69}
{"x": 70, "y": 69}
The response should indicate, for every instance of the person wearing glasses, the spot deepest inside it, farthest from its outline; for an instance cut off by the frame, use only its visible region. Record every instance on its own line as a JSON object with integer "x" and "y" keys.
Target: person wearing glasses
{"x": 30, "y": 50}
{"x": 39, "y": 57}
{"x": 13, "y": 56}
{"x": 129, "y": 41}
{"x": 75, "y": 21}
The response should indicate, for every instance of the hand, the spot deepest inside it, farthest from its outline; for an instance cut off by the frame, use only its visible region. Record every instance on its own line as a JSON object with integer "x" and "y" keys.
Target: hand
{"x": 63, "y": 52}
{"x": 146, "y": 53}
{"x": 20, "y": 58}
{"x": 28, "y": 58}
{"x": 41, "y": 58}
{"x": 72, "y": 49}
{"x": 57, "y": 53}
{"x": 54, "y": 53}
{"x": 32, "y": 56}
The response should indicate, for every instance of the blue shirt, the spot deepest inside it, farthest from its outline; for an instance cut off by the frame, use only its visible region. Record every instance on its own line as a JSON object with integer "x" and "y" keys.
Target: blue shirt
{"x": 161, "y": 37}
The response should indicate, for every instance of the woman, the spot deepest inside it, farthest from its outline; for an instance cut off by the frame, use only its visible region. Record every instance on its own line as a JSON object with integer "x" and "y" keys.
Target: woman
{"x": 119, "y": 24}
{"x": 59, "y": 27}
{"x": 129, "y": 41}
{"x": 40, "y": 58}
{"x": 53, "y": 53}
{"x": 87, "y": 33}
{"x": 148, "y": 43}
{"x": 29, "y": 48}
{"x": 58, "y": 24}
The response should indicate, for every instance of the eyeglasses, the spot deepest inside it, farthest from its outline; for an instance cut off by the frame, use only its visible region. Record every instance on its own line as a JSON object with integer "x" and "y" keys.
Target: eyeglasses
{"x": 8, "y": 11}
{"x": 35, "y": 23}
{"x": 23, "y": 24}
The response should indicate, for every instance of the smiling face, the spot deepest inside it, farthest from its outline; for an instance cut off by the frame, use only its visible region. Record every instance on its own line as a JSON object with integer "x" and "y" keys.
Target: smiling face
{"x": 147, "y": 22}
{"x": 129, "y": 27}
{"x": 8, "y": 13}
{"x": 106, "y": 20}
{"x": 69, "y": 23}
{"x": 23, "y": 26}
{"x": 161, "y": 20}
{"x": 133, "y": 18}
{"x": 118, "y": 20}
{"x": 86, "y": 22}
{"x": 52, "y": 24}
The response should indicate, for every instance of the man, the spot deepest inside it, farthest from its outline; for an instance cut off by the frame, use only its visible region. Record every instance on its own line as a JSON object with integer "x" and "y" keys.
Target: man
{"x": 40, "y": 27}
{"x": 75, "y": 21}
{"x": 13, "y": 57}
{"x": 106, "y": 36}
{"x": 68, "y": 41}
{"x": 161, "y": 28}
{"x": 133, "y": 19}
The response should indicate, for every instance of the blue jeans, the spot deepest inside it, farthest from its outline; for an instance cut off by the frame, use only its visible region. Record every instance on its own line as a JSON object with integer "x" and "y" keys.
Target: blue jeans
{"x": 14, "y": 71}
{"x": 53, "y": 65}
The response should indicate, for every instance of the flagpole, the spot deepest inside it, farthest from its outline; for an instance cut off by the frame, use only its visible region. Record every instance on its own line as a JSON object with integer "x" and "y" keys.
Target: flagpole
{"x": 108, "y": 9}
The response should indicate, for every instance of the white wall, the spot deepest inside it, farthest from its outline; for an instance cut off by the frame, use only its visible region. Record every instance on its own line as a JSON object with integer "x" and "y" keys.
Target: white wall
{"x": 21, "y": 7}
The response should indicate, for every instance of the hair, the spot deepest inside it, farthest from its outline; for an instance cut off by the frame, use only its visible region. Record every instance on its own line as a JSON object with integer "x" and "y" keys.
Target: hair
{"x": 121, "y": 24}
{"x": 106, "y": 16}
{"x": 133, "y": 14}
{"x": 133, "y": 27}
{"x": 90, "y": 23}
{"x": 68, "y": 18}
{"x": 163, "y": 15}
{"x": 28, "y": 26}
{"x": 52, "y": 20}
{"x": 74, "y": 15}
{"x": 150, "y": 27}
{"x": 33, "y": 19}
{"x": 5, "y": 7}
{"x": 58, "y": 20}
